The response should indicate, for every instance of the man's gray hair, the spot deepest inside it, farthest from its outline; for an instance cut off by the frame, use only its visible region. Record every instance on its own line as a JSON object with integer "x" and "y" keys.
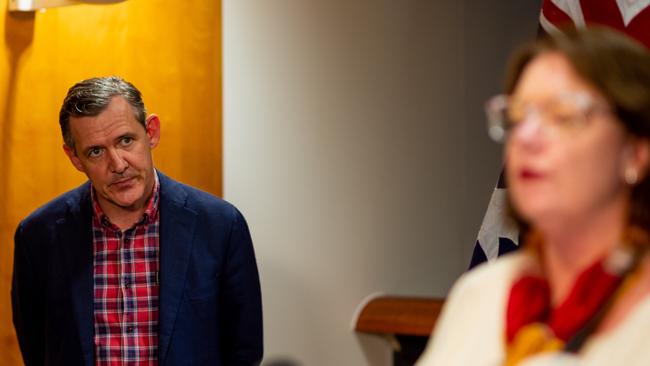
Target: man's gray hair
{"x": 90, "y": 97}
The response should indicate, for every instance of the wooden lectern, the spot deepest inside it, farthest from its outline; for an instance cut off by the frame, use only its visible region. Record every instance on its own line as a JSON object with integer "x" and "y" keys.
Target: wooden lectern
{"x": 406, "y": 323}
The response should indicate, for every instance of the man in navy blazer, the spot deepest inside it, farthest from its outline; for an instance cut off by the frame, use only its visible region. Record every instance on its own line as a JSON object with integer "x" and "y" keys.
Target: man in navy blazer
{"x": 132, "y": 267}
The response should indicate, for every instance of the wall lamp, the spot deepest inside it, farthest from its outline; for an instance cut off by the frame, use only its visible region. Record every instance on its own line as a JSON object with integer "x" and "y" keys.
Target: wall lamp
{"x": 32, "y": 5}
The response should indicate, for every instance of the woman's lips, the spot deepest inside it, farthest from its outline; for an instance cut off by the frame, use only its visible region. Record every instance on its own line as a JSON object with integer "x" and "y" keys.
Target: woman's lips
{"x": 530, "y": 174}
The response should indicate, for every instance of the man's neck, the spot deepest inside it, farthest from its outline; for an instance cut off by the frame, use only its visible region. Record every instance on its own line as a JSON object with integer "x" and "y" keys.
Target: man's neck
{"x": 125, "y": 219}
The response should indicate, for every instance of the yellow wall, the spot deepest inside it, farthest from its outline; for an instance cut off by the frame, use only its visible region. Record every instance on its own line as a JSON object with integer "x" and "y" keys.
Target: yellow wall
{"x": 171, "y": 50}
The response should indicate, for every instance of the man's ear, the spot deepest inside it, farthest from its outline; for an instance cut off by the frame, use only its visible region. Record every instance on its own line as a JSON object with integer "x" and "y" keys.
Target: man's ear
{"x": 74, "y": 159}
{"x": 153, "y": 130}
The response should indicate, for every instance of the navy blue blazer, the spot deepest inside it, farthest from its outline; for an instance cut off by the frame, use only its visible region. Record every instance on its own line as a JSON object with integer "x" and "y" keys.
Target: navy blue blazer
{"x": 210, "y": 303}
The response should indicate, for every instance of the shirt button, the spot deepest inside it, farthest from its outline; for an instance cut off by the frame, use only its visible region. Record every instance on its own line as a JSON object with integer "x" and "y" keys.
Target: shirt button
{"x": 127, "y": 283}
{"x": 129, "y": 329}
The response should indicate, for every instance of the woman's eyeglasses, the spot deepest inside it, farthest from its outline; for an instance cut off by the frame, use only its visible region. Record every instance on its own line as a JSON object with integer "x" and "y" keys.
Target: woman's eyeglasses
{"x": 560, "y": 116}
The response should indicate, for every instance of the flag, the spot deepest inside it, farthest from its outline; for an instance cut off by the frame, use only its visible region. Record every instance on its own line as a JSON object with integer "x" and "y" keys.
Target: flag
{"x": 631, "y": 17}
{"x": 498, "y": 234}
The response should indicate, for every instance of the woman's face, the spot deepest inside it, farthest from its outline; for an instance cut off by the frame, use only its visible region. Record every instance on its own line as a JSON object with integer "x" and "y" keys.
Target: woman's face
{"x": 567, "y": 156}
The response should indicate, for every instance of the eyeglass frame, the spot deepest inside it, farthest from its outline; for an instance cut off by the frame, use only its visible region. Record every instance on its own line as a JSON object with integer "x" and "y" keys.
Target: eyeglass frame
{"x": 499, "y": 128}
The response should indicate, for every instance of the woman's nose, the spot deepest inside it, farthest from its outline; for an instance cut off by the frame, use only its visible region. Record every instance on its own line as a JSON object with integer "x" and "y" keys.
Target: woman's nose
{"x": 531, "y": 130}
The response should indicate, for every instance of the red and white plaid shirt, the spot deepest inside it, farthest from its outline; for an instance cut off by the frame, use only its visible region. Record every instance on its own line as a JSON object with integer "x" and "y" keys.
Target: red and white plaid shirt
{"x": 126, "y": 287}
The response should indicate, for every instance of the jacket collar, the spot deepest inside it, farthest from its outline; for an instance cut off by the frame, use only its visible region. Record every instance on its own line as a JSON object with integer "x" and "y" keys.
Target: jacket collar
{"x": 177, "y": 224}
{"x": 78, "y": 254}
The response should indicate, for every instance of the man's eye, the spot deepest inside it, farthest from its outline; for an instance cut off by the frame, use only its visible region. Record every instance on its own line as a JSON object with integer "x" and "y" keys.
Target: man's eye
{"x": 94, "y": 152}
{"x": 125, "y": 141}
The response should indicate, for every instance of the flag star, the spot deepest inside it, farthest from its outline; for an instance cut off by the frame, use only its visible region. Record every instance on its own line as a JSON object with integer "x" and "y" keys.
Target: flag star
{"x": 631, "y": 8}
{"x": 496, "y": 224}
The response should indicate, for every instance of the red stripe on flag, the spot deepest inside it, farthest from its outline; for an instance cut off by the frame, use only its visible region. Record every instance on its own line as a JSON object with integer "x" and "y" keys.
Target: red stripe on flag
{"x": 556, "y": 15}
{"x": 607, "y": 13}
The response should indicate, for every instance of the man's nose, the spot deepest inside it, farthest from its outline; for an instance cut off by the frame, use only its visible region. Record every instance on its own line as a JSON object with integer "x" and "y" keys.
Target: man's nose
{"x": 117, "y": 163}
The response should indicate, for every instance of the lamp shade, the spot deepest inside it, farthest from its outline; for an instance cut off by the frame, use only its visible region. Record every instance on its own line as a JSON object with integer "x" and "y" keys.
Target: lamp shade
{"x": 31, "y": 5}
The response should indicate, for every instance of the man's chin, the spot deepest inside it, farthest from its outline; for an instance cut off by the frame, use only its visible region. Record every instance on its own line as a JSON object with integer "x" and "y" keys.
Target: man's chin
{"x": 129, "y": 198}
{"x": 123, "y": 204}
{"x": 125, "y": 201}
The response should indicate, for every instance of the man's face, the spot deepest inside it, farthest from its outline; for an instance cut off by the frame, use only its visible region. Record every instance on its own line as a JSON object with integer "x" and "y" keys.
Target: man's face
{"x": 114, "y": 151}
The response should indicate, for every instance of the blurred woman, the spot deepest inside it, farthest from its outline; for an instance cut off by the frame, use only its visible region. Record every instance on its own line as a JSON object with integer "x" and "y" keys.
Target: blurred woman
{"x": 575, "y": 120}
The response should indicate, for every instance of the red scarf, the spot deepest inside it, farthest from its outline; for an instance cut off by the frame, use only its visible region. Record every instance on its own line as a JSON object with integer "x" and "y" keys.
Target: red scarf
{"x": 529, "y": 302}
{"x": 534, "y": 326}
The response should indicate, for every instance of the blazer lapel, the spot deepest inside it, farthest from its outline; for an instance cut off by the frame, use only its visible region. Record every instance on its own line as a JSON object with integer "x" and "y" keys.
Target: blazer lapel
{"x": 177, "y": 224}
{"x": 75, "y": 232}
